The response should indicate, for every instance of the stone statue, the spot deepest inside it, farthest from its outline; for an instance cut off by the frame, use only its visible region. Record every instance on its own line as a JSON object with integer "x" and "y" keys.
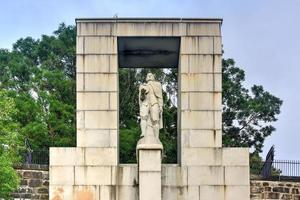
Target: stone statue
{"x": 151, "y": 107}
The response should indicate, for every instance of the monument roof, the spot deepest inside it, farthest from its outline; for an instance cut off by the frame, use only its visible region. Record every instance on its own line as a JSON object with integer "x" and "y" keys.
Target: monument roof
{"x": 151, "y": 19}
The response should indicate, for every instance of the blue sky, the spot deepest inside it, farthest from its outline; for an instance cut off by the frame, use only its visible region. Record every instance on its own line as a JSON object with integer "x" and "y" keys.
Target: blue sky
{"x": 263, "y": 36}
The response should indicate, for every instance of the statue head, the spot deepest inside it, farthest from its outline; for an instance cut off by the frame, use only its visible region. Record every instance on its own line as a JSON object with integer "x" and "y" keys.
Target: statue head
{"x": 150, "y": 77}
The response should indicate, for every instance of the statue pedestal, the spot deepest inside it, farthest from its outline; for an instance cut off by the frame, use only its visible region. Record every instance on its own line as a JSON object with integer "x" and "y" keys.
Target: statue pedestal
{"x": 149, "y": 151}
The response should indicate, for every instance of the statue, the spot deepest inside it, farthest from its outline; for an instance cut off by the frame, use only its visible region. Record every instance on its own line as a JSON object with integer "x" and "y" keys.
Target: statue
{"x": 151, "y": 107}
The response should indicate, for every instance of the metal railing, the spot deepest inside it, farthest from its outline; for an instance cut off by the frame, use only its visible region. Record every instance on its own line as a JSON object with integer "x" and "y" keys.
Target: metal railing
{"x": 40, "y": 157}
{"x": 276, "y": 169}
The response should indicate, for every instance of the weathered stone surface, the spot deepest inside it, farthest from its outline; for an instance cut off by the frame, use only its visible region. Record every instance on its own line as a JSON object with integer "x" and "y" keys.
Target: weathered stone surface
{"x": 236, "y": 156}
{"x": 205, "y": 101}
{"x": 201, "y": 138}
{"x": 93, "y": 101}
{"x": 61, "y": 192}
{"x": 96, "y": 63}
{"x": 61, "y": 175}
{"x": 127, "y": 175}
{"x": 206, "y": 175}
{"x": 127, "y": 192}
{"x": 96, "y": 45}
{"x": 197, "y": 45}
{"x": 150, "y": 160}
{"x": 237, "y": 192}
{"x": 201, "y": 120}
{"x": 149, "y": 185}
{"x": 201, "y": 157}
{"x": 196, "y": 29}
{"x": 101, "y": 156}
{"x": 237, "y": 175}
{"x": 211, "y": 192}
{"x": 96, "y": 138}
{"x": 174, "y": 175}
{"x": 93, "y": 175}
{"x": 100, "y": 82}
{"x": 99, "y": 29}
{"x": 66, "y": 156}
{"x": 197, "y": 82}
{"x": 87, "y": 192}
{"x": 101, "y": 120}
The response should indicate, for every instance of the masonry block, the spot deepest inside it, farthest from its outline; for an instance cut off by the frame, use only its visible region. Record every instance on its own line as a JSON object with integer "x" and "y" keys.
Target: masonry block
{"x": 197, "y": 82}
{"x": 127, "y": 174}
{"x": 208, "y": 29}
{"x": 198, "y": 63}
{"x": 61, "y": 175}
{"x": 201, "y": 120}
{"x": 101, "y": 156}
{"x": 99, "y": 29}
{"x": 96, "y": 64}
{"x": 66, "y": 156}
{"x": 100, "y": 45}
{"x": 205, "y": 175}
{"x": 96, "y": 138}
{"x": 209, "y": 192}
{"x": 201, "y": 156}
{"x": 237, "y": 175}
{"x": 152, "y": 181}
{"x": 237, "y": 193}
{"x": 127, "y": 193}
{"x": 173, "y": 175}
{"x": 235, "y": 156}
{"x": 204, "y": 138}
{"x": 197, "y": 45}
{"x": 93, "y": 101}
{"x": 205, "y": 101}
{"x": 86, "y": 192}
{"x": 101, "y": 120}
{"x": 150, "y": 160}
{"x": 93, "y": 175}
{"x": 61, "y": 192}
{"x": 101, "y": 82}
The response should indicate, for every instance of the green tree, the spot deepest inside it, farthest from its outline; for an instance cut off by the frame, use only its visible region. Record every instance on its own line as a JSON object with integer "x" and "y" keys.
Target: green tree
{"x": 40, "y": 77}
{"x": 247, "y": 114}
{"x": 9, "y": 146}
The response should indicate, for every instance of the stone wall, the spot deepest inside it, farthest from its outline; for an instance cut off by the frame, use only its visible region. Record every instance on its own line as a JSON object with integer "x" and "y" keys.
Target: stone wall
{"x": 34, "y": 182}
{"x": 265, "y": 190}
{"x": 204, "y": 171}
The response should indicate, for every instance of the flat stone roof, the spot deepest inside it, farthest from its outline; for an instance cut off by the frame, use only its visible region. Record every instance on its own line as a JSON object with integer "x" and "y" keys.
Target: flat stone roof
{"x": 151, "y": 19}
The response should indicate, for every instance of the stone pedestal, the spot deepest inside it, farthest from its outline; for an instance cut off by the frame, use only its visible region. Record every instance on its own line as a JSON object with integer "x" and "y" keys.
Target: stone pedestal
{"x": 149, "y": 168}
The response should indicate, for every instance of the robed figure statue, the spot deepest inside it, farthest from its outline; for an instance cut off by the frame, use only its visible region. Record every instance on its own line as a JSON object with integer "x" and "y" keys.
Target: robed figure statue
{"x": 151, "y": 107}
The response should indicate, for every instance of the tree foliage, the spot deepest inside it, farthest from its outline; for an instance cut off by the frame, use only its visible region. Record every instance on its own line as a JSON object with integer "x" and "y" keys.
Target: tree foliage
{"x": 40, "y": 77}
{"x": 247, "y": 114}
{"x": 9, "y": 146}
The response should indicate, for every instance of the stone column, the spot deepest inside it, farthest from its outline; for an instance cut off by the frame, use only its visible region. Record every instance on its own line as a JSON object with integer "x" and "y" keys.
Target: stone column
{"x": 149, "y": 169}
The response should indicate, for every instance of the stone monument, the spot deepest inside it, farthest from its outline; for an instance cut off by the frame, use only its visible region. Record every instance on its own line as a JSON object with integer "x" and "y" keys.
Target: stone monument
{"x": 205, "y": 170}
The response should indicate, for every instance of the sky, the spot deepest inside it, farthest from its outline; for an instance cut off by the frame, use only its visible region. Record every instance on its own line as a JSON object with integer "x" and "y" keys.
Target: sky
{"x": 262, "y": 36}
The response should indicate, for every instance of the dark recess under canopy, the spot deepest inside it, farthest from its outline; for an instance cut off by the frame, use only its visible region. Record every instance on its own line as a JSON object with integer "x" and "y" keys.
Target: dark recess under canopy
{"x": 148, "y": 52}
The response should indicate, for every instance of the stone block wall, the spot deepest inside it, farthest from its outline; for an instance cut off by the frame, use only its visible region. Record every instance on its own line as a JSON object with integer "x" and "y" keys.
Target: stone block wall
{"x": 205, "y": 169}
{"x": 34, "y": 182}
{"x": 267, "y": 190}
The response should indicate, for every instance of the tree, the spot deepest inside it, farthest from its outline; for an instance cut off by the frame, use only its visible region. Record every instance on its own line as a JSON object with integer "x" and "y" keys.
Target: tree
{"x": 40, "y": 76}
{"x": 9, "y": 146}
{"x": 247, "y": 114}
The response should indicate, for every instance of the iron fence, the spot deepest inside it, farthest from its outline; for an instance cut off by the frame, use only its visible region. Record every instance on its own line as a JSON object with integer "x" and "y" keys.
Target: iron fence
{"x": 40, "y": 157}
{"x": 276, "y": 169}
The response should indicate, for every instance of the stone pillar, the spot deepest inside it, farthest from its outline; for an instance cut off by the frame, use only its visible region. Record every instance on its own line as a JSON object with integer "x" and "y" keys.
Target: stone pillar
{"x": 149, "y": 169}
